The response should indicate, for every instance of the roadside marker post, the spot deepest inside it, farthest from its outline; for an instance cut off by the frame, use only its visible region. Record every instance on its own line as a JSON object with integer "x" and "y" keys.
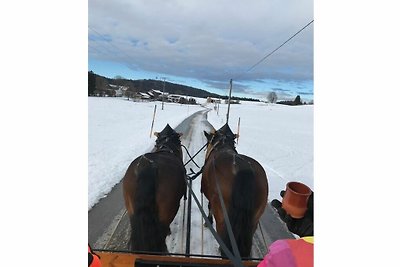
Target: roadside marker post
{"x": 152, "y": 123}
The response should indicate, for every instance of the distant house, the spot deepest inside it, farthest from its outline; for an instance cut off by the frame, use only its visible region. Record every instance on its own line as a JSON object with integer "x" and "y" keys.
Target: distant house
{"x": 122, "y": 90}
{"x": 144, "y": 95}
{"x": 110, "y": 90}
{"x": 181, "y": 99}
{"x": 99, "y": 92}
{"x": 192, "y": 101}
{"x": 213, "y": 100}
{"x": 104, "y": 92}
{"x": 156, "y": 92}
{"x": 176, "y": 99}
{"x": 118, "y": 92}
{"x": 151, "y": 94}
{"x": 232, "y": 101}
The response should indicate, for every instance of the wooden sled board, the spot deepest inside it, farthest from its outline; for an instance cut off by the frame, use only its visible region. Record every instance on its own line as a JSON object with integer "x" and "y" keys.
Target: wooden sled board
{"x": 120, "y": 259}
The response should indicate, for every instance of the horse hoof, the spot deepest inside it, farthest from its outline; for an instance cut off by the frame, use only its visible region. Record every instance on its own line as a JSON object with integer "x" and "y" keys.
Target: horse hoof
{"x": 207, "y": 225}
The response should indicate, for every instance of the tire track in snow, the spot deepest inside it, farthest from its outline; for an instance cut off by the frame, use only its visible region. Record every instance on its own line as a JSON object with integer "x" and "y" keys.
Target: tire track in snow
{"x": 176, "y": 242}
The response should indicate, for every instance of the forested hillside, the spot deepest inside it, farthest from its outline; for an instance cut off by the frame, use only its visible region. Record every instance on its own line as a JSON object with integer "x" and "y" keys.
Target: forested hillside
{"x": 97, "y": 82}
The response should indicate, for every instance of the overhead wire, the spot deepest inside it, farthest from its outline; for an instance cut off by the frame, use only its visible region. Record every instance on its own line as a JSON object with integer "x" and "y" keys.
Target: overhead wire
{"x": 107, "y": 41}
{"x": 269, "y": 54}
{"x": 235, "y": 78}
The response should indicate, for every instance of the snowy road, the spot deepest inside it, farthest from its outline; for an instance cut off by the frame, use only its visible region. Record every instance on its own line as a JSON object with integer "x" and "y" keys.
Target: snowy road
{"x": 109, "y": 225}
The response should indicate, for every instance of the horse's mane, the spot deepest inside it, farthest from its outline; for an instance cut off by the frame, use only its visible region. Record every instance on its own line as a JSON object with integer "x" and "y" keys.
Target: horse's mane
{"x": 168, "y": 140}
{"x": 168, "y": 143}
{"x": 224, "y": 141}
{"x": 225, "y": 136}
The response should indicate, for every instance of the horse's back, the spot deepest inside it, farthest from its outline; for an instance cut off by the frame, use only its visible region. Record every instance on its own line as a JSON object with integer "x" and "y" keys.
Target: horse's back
{"x": 170, "y": 169}
{"x": 171, "y": 173}
{"x": 170, "y": 183}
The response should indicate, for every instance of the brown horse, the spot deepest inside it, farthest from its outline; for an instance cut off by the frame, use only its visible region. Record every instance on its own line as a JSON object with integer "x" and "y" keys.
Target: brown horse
{"x": 153, "y": 186}
{"x": 244, "y": 188}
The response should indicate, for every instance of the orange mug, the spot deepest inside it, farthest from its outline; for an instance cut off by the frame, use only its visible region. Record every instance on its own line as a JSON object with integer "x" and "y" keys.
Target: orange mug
{"x": 295, "y": 200}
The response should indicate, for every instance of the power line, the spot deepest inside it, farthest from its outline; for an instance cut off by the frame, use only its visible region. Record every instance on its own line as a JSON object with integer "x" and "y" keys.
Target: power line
{"x": 265, "y": 57}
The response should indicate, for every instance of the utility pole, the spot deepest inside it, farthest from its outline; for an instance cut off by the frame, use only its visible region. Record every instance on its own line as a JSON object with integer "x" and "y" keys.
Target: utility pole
{"x": 162, "y": 103}
{"x": 162, "y": 97}
{"x": 229, "y": 101}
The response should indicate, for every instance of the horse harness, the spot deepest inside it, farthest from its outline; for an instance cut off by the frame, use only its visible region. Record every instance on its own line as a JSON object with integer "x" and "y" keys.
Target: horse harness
{"x": 165, "y": 146}
{"x": 235, "y": 256}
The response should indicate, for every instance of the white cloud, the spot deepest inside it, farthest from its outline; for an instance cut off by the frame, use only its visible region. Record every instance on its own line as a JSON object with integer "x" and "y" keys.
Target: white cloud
{"x": 205, "y": 40}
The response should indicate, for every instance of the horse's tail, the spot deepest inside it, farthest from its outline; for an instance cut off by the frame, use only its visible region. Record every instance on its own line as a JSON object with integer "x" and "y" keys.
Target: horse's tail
{"x": 147, "y": 232}
{"x": 241, "y": 211}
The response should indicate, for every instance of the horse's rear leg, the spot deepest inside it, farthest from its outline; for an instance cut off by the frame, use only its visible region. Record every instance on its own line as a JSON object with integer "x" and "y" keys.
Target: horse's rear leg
{"x": 130, "y": 242}
{"x": 210, "y": 218}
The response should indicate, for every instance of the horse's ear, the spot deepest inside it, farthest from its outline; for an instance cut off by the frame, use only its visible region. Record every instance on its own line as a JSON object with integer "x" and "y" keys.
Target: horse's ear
{"x": 180, "y": 135}
{"x": 236, "y": 136}
{"x": 208, "y": 136}
{"x": 156, "y": 133}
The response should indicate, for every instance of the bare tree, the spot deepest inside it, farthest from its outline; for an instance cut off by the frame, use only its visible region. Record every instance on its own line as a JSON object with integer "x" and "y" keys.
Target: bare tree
{"x": 272, "y": 97}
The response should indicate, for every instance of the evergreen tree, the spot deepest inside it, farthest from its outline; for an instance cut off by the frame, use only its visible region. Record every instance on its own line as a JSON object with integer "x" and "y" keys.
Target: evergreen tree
{"x": 297, "y": 100}
{"x": 91, "y": 83}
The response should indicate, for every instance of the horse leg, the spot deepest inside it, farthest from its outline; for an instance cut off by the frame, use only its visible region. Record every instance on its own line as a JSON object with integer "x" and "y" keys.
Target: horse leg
{"x": 210, "y": 217}
{"x": 166, "y": 230}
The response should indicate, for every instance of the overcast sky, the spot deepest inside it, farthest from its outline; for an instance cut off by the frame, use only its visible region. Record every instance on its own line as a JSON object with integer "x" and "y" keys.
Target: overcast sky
{"x": 206, "y": 43}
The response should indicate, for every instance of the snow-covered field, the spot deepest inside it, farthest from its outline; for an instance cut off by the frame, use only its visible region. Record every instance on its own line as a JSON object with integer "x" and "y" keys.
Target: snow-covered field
{"x": 279, "y": 137}
{"x": 119, "y": 131}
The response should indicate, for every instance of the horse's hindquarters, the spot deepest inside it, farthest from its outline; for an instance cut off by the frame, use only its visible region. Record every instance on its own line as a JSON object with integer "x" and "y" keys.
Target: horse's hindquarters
{"x": 153, "y": 186}
{"x": 171, "y": 188}
{"x": 244, "y": 189}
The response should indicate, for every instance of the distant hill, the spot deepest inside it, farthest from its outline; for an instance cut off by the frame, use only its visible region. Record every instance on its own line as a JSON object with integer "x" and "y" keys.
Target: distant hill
{"x": 145, "y": 85}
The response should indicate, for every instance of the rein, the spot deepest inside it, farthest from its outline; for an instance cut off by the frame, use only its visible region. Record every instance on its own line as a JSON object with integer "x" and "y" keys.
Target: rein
{"x": 235, "y": 260}
{"x": 226, "y": 217}
{"x": 191, "y": 158}
{"x": 235, "y": 257}
{"x": 193, "y": 175}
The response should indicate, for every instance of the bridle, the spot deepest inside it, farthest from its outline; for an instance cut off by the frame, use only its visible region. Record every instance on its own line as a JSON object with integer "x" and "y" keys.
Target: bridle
{"x": 165, "y": 144}
{"x": 222, "y": 140}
